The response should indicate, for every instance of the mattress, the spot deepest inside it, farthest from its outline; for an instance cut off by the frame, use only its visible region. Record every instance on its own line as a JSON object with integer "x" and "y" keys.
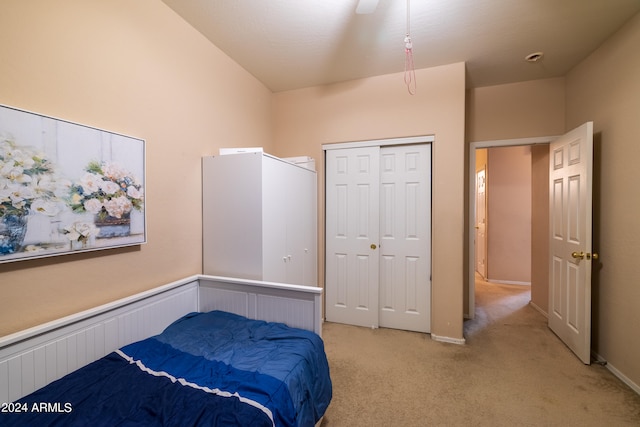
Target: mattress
{"x": 212, "y": 368}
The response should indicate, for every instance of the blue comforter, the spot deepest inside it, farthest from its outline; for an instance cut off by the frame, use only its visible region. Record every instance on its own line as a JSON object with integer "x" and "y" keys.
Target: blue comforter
{"x": 211, "y": 368}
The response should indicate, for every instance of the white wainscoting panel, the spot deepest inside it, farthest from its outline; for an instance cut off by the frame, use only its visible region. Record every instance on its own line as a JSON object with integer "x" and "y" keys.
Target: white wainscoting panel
{"x": 295, "y": 305}
{"x": 28, "y": 365}
{"x": 285, "y": 310}
{"x": 292, "y": 312}
{"x": 226, "y": 300}
{"x": 35, "y": 357}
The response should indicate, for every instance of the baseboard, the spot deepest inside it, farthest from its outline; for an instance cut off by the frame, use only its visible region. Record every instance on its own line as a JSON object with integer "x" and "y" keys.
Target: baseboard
{"x": 537, "y": 308}
{"x": 460, "y": 341}
{"x": 622, "y": 377}
{"x": 635, "y": 387}
{"x": 508, "y": 282}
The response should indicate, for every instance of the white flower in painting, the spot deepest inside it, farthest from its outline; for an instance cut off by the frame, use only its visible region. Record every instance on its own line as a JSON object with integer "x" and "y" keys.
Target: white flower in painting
{"x": 26, "y": 161}
{"x": 93, "y": 206}
{"x": 80, "y": 231}
{"x": 45, "y": 207}
{"x": 44, "y": 201}
{"x": 109, "y": 187}
{"x": 20, "y": 195}
{"x": 114, "y": 171}
{"x": 62, "y": 188}
{"x": 45, "y": 184}
{"x": 85, "y": 229}
{"x": 71, "y": 233}
{"x": 90, "y": 183}
{"x": 6, "y": 169}
{"x": 118, "y": 206}
{"x": 15, "y": 173}
{"x": 27, "y": 180}
{"x": 5, "y": 192}
{"x": 134, "y": 193}
{"x": 23, "y": 179}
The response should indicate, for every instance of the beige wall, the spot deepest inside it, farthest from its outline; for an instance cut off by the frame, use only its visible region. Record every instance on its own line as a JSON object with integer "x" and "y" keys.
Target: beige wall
{"x": 377, "y": 108}
{"x": 509, "y": 214}
{"x": 132, "y": 67}
{"x": 518, "y": 110}
{"x": 605, "y": 88}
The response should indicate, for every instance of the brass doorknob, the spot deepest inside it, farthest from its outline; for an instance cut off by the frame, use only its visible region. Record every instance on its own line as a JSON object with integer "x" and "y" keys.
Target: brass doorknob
{"x": 593, "y": 255}
{"x": 578, "y": 255}
{"x": 373, "y": 246}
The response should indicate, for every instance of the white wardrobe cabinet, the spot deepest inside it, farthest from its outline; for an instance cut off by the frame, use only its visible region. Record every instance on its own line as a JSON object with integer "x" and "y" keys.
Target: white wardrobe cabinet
{"x": 259, "y": 219}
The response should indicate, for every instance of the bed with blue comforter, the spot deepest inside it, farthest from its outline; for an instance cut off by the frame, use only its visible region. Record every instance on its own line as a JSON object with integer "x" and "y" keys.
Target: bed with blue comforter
{"x": 214, "y": 368}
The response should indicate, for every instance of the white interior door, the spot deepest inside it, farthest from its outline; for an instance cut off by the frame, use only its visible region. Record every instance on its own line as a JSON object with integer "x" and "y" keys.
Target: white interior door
{"x": 481, "y": 222}
{"x": 352, "y": 214}
{"x": 570, "y": 200}
{"x": 405, "y": 237}
{"x": 378, "y": 236}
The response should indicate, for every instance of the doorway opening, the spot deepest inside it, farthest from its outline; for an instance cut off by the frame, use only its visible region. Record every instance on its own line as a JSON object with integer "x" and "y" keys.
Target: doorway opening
{"x": 536, "y": 250}
{"x": 494, "y": 303}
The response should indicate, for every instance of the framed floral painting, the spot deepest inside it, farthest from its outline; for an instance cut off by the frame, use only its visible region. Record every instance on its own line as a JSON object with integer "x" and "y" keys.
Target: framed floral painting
{"x": 66, "y": 187}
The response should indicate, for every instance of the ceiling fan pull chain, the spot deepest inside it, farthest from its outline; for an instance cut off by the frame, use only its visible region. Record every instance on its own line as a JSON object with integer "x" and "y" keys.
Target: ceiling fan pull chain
{"x": 409, "y": 69}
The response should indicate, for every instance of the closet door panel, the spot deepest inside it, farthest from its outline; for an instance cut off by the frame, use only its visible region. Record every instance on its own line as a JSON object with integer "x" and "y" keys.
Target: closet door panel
{"x": 405, "y": 283}
{"x": 352, "y": 235}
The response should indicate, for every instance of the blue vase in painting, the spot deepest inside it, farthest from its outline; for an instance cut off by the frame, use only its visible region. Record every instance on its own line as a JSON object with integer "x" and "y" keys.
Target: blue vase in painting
{"x": 12, "y": 231}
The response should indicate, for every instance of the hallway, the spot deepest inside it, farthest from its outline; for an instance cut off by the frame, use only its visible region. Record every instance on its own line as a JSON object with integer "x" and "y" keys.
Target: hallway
{"x": 494, "y": 301}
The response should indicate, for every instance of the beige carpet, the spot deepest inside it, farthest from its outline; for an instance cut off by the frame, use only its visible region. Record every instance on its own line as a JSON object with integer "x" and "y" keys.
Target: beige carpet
{"x": 513, "y": 371}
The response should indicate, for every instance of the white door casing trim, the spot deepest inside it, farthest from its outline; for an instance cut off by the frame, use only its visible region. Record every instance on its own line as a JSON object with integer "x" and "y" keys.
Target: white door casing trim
{"x": 380, "y": 142}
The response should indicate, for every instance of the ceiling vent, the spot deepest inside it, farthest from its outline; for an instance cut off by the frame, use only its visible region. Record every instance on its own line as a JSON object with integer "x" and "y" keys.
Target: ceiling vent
{"x": 534, "y": 57}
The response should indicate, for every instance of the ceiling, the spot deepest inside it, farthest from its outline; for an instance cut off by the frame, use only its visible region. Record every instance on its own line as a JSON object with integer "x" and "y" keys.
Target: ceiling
{"x": 291, "y": 44}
